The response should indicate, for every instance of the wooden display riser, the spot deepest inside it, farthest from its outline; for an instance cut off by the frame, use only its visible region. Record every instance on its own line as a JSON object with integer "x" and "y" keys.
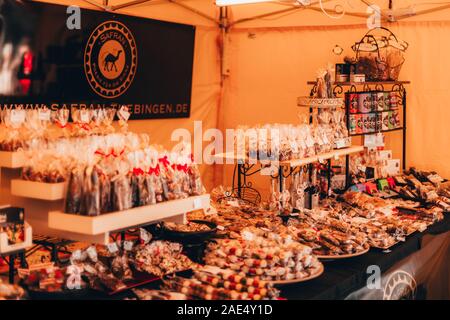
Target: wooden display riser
{"x": 37, "y": 213}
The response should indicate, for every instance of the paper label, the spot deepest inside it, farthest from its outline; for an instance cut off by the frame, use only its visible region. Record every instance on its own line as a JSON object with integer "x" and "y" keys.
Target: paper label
{"x": 197, "y": 204}
{"x": 341, "y": 143}
{"x": 18, "y": 116}
{"x": 128, "y": 245}
{"x": 44, "y": 114}
{"x": 145, "y": 235}
{"x": 112, "y": 247}
{"x": 76, "y": 255}
{"x": 233, "y": 203}
{"x": 92, "y": 253}
{"x": 84, "y": 116}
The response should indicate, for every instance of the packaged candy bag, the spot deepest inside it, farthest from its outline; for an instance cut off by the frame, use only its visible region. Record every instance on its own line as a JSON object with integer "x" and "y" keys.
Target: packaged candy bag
{"x": 122, "y": 195}
{"x": 74, "y": 191}
{"x": 105, "y": 191}
{"x": 121, "y": 188}
{"x": 90, "y": 206}
{"x": 165, "y": 177}
{"x": 195, "y": 180}
{"x": 134, "y": 186}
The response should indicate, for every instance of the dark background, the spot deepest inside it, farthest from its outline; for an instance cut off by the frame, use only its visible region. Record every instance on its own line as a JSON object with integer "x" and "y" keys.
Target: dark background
{"x": 165, "y": 57}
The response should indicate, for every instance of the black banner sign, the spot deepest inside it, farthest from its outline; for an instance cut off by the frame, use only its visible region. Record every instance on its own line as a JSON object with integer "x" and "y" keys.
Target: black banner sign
{"x": 71, "y": 57}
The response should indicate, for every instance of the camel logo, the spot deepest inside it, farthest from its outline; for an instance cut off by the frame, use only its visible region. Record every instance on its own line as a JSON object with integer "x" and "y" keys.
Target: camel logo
{"x": 110, "y": 59}
{"x": 400, "y": 286}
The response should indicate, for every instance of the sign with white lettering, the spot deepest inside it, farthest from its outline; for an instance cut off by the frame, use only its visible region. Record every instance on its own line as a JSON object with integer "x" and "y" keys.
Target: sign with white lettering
{"x": 50, "y": 60}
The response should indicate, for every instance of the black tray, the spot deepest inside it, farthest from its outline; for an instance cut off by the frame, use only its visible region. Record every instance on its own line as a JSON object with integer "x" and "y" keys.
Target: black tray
{"x": 189, "y": 237}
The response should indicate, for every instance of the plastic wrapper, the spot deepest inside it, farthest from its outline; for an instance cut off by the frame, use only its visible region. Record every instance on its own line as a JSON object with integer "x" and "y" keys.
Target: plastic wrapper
{"x": 105, "y": 192}
{"x": 90, "y": 205}
{"x": 75, "y": 191}
{"x": 134, "y": 186}
{"x": 120, "y": 268}
{"x": 195, "y": 180}
{"x": 121, "y": 193}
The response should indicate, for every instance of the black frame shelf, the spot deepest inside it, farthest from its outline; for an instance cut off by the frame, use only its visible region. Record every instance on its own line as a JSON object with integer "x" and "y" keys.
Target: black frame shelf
{"x": 343, "y": 88}
{"x": 375, "y": 132}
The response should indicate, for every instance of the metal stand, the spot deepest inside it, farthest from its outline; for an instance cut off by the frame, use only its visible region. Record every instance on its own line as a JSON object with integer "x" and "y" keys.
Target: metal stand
{"x": 53, "y": 244}
{"x": 382, "y": 86}
{"x": 10, "y": 258}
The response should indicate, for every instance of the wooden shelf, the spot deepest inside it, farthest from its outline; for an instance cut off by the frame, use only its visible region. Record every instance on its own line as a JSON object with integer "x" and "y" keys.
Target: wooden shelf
{"x": 12, "y": 160}
{"x": 322, "y": 157}
{"x": 122, "y": 220}
{"x": 298, "y": 162}
{"x": 7, "y": 248}
{"x": 38, "y": 190}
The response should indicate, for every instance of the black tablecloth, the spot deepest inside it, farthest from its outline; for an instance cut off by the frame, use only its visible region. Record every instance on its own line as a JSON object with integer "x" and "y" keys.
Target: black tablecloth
{"x": 342, "y": 277}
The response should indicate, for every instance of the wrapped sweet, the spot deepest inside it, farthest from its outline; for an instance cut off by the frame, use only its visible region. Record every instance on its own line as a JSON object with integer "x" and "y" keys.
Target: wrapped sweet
{"x": 161, "y": 258}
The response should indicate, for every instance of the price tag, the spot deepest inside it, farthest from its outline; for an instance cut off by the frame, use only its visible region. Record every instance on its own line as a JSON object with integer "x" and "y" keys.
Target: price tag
{"x": 221, "y": 228}
{"x": 145, "y": 236}
{"x": 84, "y": 116}
{"x": 112, "y": 247}
{"x": 18, "y": 116}
{"x": 76, "y": 255}
{"x": 128, "y": 245}
{"x": 92, "y": 253}
{"x": 233, "y": 203}
{"x": 370, "y": 141}
{"x": 44, "y": 114}
{"x": 197, "y": 203}
{"x": 340, "y": 143}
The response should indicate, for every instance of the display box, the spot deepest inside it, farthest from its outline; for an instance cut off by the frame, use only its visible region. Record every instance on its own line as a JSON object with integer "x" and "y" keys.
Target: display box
{"x": 6, "y": 246}
{"x": 38, "y": 190}
{"x": 12, "y": 224}
{"x": 12, "y": 160}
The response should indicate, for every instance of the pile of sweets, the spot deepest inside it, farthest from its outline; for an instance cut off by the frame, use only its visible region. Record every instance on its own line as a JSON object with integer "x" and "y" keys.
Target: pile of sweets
{"x": 264, "y": 254}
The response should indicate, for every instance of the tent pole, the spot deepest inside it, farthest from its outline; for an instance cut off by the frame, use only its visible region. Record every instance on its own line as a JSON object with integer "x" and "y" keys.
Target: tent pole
{"x": 292, "y": 8}
{"x": 198, "y": 12}
{"x": 128, "y": 4}
{"x": 427, "y": 11}
{"x": 98, "y": 5}
{"x": 224, "y": 26}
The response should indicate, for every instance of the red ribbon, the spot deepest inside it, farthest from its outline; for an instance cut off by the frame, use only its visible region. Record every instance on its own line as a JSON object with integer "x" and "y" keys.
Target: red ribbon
{"x": 164, "y": 161}
{"x": 100, "y": 153}
{"x": 60, "y": 125}
{"x": 154, "y": 170}
{"x": 183, "y": 167}
{"x": 138, "y": 171}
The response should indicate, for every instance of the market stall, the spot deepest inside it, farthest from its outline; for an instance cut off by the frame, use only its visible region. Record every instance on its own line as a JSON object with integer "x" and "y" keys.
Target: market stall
{"x": 188, "y": 150}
